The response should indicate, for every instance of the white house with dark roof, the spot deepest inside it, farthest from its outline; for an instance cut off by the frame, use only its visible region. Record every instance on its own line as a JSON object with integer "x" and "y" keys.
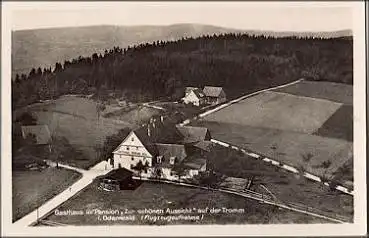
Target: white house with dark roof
{"x": 133, "y": 149}
{"x": 162, "y": 147}
{"x": 194, "y": 96}
{"x": 214, "y": 95}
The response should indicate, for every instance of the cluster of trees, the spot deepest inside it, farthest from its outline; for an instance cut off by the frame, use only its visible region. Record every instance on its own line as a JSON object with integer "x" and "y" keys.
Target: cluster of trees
{"x": 157, "y": 70}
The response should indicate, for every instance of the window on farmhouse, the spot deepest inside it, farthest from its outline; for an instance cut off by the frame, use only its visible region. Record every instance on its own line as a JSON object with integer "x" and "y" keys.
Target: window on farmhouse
{"x": 132, "y": 139}
{"x": 127, "y": 148}
{"x": 132, "y": 158}
{"x": 159, "y": 159}
{"x": 172, "y": 160}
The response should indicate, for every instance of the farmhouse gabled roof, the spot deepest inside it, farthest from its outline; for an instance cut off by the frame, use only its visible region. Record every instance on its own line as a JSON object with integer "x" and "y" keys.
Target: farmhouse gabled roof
{"x": 194, "y": 134}
{"x": 164, "y": 134}
{"x": 203, "y": 145}
{"x": 211, "y": 91}
{"x": 41, "y": 132}
{"x": 198, "y": 93}
{"x": 189, "y": 89}
{"x": 169, "y": 151}
{"x": 146, "y": 140}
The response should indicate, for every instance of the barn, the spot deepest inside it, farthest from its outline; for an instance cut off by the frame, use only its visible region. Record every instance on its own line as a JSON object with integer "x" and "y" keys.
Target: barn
{"x": 214, "y": 95}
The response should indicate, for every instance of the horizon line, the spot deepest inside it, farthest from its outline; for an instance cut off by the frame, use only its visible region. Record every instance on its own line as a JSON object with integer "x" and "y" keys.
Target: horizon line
{"x": 189, "y": 23}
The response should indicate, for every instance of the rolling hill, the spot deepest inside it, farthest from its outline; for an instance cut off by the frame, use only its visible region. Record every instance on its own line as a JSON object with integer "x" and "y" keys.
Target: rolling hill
{"x": 44, "y": 47}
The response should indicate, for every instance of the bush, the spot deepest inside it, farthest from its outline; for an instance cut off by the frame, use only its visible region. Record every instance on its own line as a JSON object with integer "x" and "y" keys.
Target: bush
{"x": 307, "y": 157}
{"x": 326, "y": 164}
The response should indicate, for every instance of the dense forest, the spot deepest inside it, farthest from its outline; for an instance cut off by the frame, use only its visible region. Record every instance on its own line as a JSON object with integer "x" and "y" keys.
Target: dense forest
{"x": 158, "y": 70}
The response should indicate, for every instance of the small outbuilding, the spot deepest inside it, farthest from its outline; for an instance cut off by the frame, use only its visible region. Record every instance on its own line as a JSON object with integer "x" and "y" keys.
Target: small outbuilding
{"x": 119, "y": 179}
{"x": 40, "y": 134}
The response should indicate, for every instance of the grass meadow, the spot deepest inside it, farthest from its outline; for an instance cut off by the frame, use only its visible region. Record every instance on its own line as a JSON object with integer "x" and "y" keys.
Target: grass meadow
{"x": 76, "y": 119}
{"x": 286, "y": 186}
{"x": 297, "y": 126}
{"x": 162, "y": 196}
{"x": 31, "y": 189}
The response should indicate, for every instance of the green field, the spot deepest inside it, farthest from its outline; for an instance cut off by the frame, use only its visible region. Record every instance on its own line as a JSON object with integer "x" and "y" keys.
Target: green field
{"x": 286, "y": 186}
{"x": 162, "y": 196}
{"x": 339, "y": 125}
{"x": 278, "y": 111}
{"x": 134, "y": 116}
{"x": 335, "y": 92}
{"x": 76, "y": 119}
{"x": 31, "y": 189}
{"x": 308, "y": 132}
{"x": 286, "y": 147}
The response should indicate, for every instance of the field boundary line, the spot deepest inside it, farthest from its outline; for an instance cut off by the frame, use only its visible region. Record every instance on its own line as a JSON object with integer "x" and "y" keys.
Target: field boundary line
{"x": 284, "y": 166}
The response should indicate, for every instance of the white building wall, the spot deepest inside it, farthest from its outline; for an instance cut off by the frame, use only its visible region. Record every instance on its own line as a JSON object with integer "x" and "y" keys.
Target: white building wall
{"x": 126, "y": 161}
{"x": 192, "y": 98}
{"x": 130, "y": 152}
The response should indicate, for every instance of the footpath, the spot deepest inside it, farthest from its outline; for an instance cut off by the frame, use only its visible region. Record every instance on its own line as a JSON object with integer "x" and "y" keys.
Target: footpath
{"x": 87, "y": 178}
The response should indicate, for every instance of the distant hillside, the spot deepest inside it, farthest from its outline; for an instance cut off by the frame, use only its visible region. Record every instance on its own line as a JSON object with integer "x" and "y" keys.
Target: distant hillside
{"x": 238, "y": 62}
{"x": 45, "y": 47}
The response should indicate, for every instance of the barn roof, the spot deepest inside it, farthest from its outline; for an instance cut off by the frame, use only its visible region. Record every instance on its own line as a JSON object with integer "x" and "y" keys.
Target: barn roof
{"x": 204, "y": 145}
{"x": 211, "y": 91}
{"x": 171, "y": 150}
{"x": 198, "y": 93}
{"x": 193, "y": 134}
{"x": 41, "y": 133}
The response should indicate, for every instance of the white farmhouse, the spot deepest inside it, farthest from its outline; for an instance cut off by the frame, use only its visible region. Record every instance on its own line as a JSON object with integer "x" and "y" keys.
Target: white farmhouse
{"x": 195, "y": 97}
{"x": 133, "y": 149}
{"x": 179, "y": 148}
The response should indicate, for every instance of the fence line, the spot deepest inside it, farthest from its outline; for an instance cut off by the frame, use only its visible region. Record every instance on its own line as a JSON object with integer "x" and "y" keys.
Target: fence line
{"x": 283, "y": 166}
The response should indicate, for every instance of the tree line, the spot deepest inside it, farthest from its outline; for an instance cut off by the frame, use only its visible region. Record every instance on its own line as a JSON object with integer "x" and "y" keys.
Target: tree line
{"x": 158, "y": 70}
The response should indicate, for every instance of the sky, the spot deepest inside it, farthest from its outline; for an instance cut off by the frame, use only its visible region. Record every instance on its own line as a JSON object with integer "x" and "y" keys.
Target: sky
{"x": 282, "y": 16}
